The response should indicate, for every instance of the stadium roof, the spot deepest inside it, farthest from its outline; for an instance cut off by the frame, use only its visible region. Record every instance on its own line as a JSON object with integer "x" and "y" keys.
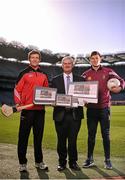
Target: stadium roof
{"x": 111, "y": 58}
{"x": 108, "y": 59}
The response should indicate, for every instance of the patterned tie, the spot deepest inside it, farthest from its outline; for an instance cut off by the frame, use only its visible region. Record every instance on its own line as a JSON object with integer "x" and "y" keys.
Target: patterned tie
{"x": 67, "y": 83}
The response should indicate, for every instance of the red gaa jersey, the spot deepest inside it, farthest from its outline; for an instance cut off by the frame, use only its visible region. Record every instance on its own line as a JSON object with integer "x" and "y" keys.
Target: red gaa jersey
{"x": 26, "y": 82}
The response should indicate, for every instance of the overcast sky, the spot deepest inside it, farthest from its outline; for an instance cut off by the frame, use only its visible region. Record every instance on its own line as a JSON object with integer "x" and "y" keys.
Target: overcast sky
{"x": 72, "y": 26}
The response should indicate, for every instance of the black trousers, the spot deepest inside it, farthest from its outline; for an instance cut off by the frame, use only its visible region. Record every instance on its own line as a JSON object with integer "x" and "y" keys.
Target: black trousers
{"x": 93, "y": 117}
{"x": 67, "y": 131}
{"x": 31, "y": 119}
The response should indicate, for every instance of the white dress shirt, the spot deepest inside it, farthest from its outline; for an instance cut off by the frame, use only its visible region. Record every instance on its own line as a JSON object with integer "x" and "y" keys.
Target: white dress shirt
{"x": 65, "y": 80}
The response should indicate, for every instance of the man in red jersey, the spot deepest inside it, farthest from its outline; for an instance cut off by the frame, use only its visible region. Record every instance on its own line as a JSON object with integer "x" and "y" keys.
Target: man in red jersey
{"x": 100, "y": 112}
{"x": 27, "y": 80}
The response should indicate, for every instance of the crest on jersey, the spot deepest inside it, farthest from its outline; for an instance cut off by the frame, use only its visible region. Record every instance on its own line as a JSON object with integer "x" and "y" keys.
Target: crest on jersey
{"x": 30, "y": 75}
{"x": 103, "y": 77}
{"x": 89, "y": 78}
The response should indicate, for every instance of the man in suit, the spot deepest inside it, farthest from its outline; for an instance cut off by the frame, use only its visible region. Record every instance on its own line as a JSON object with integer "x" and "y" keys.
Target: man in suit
{"x": 67, "y": 120}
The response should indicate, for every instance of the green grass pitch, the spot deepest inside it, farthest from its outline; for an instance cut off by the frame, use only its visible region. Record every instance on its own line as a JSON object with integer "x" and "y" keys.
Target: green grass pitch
{"x": 9, "y": 132}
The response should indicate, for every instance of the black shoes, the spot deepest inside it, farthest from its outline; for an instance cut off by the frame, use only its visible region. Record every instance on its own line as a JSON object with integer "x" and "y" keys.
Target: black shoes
{"x": 74, "y": 166}
{"x": 61, "y": 167}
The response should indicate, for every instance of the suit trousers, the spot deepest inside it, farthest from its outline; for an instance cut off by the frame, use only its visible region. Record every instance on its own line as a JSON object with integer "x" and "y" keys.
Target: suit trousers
{"x": 31, "y": 119}
{"x": 67, "y": 131}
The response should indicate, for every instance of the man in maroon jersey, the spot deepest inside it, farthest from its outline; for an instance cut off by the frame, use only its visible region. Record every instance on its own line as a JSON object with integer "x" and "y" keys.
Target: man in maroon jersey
{"x": 100, "y": 112}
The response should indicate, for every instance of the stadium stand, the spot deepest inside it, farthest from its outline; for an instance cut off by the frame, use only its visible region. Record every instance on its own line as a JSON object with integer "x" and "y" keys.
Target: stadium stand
{"x": 9, "y": 71}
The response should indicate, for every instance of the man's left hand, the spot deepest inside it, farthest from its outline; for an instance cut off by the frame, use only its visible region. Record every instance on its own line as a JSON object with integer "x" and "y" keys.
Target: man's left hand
{"x": 116, "y": 89}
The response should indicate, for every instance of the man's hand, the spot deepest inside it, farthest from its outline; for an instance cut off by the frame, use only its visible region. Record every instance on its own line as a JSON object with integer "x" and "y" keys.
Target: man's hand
{"x": 116, "y": 89}
{"x": 17, "y": 106}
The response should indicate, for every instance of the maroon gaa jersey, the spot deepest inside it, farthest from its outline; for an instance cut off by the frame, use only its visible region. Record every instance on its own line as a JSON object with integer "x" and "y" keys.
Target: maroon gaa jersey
{"x": 102, "y": 75}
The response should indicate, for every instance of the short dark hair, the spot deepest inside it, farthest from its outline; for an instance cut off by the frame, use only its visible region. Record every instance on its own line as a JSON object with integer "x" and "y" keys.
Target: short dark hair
{"x": 34, "y": 52}
{"x": 93, "y": 53}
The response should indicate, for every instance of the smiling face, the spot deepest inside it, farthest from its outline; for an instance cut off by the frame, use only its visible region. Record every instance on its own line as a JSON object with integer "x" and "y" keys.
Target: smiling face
{"x": 67, "y": 65}
{"x": 95, "y": 60}
{"x": 34, "y": 60}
